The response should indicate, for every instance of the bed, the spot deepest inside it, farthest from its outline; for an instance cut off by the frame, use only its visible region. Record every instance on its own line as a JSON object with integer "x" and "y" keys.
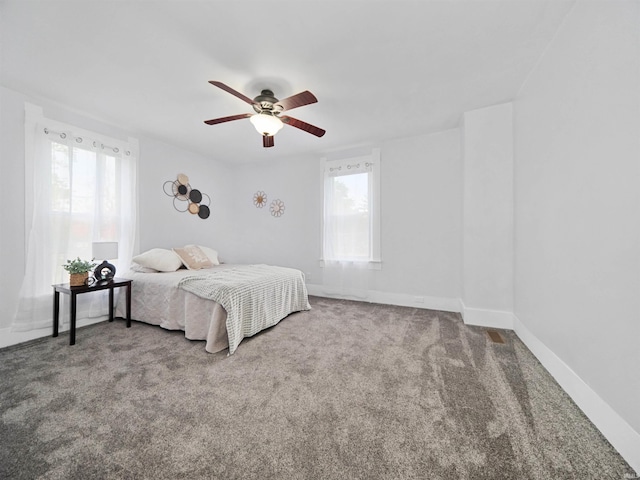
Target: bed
{"x": 221, "y": 304}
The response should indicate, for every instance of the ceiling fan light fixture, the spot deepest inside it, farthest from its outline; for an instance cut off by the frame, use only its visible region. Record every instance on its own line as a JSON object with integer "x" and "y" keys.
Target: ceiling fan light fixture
{"x": 266, "y": 123}
{"x": 267, "y": 120}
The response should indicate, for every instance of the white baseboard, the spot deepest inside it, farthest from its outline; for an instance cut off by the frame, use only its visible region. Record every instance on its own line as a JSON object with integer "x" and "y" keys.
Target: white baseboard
{"x": 9, "y": 338}
{"x": 618, "y": 432}
{"x": 373, "y": 296}
{"x": 487, "y": 318}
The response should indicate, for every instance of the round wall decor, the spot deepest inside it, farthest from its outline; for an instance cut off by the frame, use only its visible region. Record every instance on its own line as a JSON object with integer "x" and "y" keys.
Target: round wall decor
{"x": 185, "y": 198}
{"x": 260, "y": 199}
{"x": 277, "y": 208}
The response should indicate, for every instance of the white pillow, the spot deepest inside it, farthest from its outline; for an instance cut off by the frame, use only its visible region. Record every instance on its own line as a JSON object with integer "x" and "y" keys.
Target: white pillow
{"x": 209, "y": 252}
{"x": 135, "y": 267}
{"x": 159, "y": 259}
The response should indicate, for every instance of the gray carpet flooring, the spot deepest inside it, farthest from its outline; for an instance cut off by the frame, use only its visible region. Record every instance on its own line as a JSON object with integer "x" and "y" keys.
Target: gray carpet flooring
{"x": 347, "y": 390}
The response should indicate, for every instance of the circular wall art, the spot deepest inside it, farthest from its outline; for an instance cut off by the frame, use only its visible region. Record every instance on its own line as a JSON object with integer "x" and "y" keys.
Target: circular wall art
{"x": 195, "y": 196}
{"x": 204, "y": 212}
{"x": 260, "y": 199}
{"x": 277, "y": 208}
{"x": 185, "y": 198}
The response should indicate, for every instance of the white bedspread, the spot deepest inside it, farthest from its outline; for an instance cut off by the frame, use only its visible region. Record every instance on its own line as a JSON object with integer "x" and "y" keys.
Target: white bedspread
{"x": 255, "y": 297}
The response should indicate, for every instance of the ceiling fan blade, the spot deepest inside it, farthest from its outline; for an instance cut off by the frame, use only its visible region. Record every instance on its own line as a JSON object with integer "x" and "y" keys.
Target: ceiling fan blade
{"x": 227, "y": 88}
{"x": 267, "y": 141}
{"x": 227, "y": 119}
{"x": 298, "y": 100}
{"x": 307, "y": 127}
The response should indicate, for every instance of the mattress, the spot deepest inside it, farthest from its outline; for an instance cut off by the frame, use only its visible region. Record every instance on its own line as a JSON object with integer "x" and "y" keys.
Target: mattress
{"x": 158, "y": 299}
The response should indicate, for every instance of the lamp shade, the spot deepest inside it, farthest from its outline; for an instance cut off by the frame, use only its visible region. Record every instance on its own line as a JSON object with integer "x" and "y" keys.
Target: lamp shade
{"x": 105, "y": 250}
{"x": 266, "y": 124}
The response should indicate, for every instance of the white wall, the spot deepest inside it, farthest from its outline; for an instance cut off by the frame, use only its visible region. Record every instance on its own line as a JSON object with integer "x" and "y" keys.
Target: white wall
{"x": 577, "y": 183}
{"x": 487, "y": 271}
{"x": 259, "y": 237}
{"x": 160, "y": 224}
{"x": 420, "y": 222}
{"x": 12, "y": 225}
{"x": 421, "y": 216}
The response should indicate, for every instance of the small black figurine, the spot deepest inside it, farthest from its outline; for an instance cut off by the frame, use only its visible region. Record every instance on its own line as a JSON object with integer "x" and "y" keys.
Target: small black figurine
{"x": 104, "y": 272}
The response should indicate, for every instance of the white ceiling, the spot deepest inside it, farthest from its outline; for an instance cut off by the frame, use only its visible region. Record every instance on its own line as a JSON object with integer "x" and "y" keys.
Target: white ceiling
{"x": 380, "y": 69}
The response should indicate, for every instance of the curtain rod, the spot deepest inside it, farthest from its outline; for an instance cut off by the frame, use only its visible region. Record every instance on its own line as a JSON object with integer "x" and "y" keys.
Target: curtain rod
{"x": 63, "y": 135}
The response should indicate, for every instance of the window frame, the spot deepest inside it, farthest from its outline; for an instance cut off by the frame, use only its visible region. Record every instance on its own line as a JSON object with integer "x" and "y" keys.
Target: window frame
{"x": 374, "y": 261}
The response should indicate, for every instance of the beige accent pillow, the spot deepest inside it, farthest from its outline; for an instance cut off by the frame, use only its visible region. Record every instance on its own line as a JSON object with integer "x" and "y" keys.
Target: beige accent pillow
{"x": 159, "y": 259}
{"x": 193, "y": 257}
{"x": 211, "y": 254}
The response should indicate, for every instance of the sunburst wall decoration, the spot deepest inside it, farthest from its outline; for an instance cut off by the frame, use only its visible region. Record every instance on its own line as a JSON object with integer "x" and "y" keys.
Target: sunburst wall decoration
{"x": 260, "y": 199}
{"x": 187, "y": 199}
{"x": 277, "y": 208}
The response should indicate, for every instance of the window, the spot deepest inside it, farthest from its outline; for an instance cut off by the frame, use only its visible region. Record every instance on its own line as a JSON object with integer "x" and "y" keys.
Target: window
{"x": 80, "y": 189}
{"x": 351, "y": 226}
{"x": 84, "y": 200}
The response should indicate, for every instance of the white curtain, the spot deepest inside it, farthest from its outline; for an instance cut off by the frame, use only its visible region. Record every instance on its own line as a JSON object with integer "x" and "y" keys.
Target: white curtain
{"x": 344, "y": 278}
{"x": 350, "y": 247}
{"x": 347, "y": 220}
{"x": 80, "y": 188}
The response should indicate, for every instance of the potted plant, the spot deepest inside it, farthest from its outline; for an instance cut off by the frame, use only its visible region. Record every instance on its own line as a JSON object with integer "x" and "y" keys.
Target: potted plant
{"x": 79, "y": 271}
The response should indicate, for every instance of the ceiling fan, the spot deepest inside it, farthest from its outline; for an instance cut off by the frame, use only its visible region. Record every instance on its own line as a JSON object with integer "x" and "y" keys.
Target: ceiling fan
{"x": 268, "y": 119}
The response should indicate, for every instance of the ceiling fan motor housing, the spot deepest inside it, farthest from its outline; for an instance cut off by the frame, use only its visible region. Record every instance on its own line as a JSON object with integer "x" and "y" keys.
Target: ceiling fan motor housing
{"x": 266, "y": 102}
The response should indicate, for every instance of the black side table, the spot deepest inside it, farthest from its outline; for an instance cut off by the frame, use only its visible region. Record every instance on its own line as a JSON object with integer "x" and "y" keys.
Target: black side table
{"x": 73, "y": 291}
